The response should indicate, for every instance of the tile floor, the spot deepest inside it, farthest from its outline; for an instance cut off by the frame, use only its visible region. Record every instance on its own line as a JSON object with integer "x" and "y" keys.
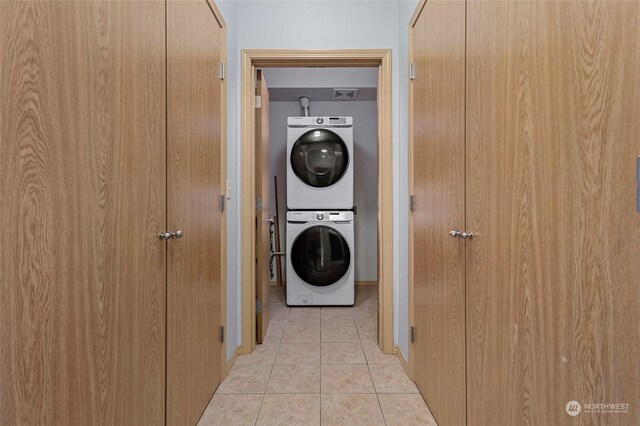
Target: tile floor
{"x": 318, "y": 366}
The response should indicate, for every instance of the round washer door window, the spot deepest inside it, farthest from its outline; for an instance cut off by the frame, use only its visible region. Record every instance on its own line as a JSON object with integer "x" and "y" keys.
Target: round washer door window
{"x": 320, "y": 256}
{"x": 319, "y": 158}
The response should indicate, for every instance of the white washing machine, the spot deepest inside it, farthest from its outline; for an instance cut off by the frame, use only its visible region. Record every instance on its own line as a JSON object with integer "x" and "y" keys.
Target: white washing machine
{"x": 320, "y": 166}
{"x": 320, "y": 257}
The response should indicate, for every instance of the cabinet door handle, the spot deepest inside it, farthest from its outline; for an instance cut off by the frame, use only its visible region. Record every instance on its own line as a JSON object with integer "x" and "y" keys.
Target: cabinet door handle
{"x": 455, "y": 234}
{"x": 466, "y": 234}
{"x": 169, "y": 235}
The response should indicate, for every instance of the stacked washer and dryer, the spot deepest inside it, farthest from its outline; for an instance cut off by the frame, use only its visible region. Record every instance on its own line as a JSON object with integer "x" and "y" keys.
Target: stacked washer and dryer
{"x": 320, "y": 229}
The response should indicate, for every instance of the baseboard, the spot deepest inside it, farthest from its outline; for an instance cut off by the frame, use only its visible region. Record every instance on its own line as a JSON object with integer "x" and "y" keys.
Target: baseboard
{"x": 403, "y": 361}
{"x": 232, "y": 360}
{"x": 369, "y": 283}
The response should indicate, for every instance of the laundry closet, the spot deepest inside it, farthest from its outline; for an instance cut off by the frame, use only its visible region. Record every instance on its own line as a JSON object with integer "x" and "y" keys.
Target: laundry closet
{"x": 322, "y": 126}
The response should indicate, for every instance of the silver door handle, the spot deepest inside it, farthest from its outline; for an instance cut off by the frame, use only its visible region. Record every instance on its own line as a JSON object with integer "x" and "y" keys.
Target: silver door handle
{"x": 466, "y": 235}
{"x": 271, "y": 220}
{"x": 168, "y": 235}
{"x": 455, "y": 234}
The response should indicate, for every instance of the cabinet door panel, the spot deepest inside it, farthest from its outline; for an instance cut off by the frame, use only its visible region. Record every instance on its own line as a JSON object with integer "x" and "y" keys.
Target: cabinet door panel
{"x": 553, "y": 299}
{"x": 438, "y": 167}
{"x": 82, "y": 190}
{"x": 195, "y": 42}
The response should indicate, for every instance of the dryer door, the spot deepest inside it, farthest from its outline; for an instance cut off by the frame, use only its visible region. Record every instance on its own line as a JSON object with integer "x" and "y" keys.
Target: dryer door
{"x": 319, "y": 158}
{"x": 320, "y": 256}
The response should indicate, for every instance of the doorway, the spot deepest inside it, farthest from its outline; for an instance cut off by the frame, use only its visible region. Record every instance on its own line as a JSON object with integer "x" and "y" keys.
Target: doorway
{"x": 254, "y": 59}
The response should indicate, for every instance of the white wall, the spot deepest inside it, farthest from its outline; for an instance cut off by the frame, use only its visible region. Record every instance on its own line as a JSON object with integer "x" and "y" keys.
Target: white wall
{"x": 321, "y": 24}
{"x": 365, "y": 159}
{"x": 401, "y": 264}
{"x": 229, "y": 10}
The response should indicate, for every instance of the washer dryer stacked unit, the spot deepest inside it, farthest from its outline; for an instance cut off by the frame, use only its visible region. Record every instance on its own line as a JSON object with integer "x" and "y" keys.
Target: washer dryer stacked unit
{"x": 320, "y": 236}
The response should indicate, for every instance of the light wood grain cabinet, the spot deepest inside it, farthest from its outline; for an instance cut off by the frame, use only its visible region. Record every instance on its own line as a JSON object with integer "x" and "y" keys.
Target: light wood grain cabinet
{"x": 97, "y": 157}
{"x": 525, "y": 133}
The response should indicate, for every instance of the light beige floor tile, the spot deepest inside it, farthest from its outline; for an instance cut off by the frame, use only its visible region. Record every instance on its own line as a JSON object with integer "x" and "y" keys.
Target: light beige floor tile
{"x": 339, "y": 334}
{"x": 351, "y": 410}
{"x": 366, "y": 321}
{"x": 278, "y": 309}
{"x": 278, "y": 316}
{"x": 246, "y": 379}
{"x": 263, "y": 354}
{"x": 303, "y": 321}
{"x": 301, "y": 334}
{"x": 405, "y": 410}
{"x": 278, "y": 323}
{"x": 376, "y": 356}
{"x": 368, "y": 334}
{"x": 274, "y": 335}
{"x": 298, "y": 353}
{"x": 391, "y": 378}
{"x": 225, "y": 410}
{"x": 346, "y": 378}
{"x": 338, "y": 310}
{"x": 294, "y": 379}
{"x": 342, "y": 353}
{"x": 283, "y": 409}
{"x": 337, "y": 320}
{"x": 305, "y": 312}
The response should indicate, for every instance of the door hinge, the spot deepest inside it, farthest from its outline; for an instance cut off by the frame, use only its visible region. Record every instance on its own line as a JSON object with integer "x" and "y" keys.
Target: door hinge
{"x": 222, "y": 334}
{"x": 222, "y": 71}
{"x": 222, "y": 203}
{"x": 258, "y": 306}
{"x": 258, "y": 101}
{"x": 412, "y": 71}
{"x": 413, "y": 334}
{"x": 412, "y": 203}
{"x": 258, "y": 204}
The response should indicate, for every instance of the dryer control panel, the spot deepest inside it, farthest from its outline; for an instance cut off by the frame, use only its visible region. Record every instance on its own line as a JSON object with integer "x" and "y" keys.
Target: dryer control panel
{"x": 319, "y": 216}
{"x": 324, "y": 121}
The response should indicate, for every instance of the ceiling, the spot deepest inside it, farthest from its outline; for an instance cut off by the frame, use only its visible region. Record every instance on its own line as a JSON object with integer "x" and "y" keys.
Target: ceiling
{"x": 289, "y": 84}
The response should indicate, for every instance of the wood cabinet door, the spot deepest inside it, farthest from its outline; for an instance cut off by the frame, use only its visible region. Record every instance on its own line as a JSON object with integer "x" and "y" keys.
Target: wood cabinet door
{"x": 82, "y": 200}
{"x": 195, "y": 45}
{"x": 263, "y": 275}
{"x": 553, "y": 136}
{"x": 438, "y": 184}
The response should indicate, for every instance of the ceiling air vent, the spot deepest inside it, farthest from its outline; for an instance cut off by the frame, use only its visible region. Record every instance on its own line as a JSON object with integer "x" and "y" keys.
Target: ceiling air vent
{"x": 345, "y": 94}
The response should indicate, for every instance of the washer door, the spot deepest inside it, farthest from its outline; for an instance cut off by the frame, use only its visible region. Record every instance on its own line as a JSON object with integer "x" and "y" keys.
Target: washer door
{"x": 320, "y": 256}
{"x": 319, "y": 158}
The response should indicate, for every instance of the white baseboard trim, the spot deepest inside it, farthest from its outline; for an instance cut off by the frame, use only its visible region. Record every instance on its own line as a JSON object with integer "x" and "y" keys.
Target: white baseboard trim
{"x": 403, "y": 361}
{"x": 232, "y": 360}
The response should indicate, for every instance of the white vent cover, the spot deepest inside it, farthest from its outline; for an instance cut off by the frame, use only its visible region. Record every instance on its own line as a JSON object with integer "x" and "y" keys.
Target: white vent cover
{"x": 345, "y": 94}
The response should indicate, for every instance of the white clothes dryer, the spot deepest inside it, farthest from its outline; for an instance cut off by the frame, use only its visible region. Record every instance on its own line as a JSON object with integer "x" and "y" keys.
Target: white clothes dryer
{"x": 320, "y": 256}
{"x": 320, "y": 163}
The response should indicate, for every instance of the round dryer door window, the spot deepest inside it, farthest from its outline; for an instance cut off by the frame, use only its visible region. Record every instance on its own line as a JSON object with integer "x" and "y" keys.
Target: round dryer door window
{"x": 320, "y": 256}
{"x": 319, "y": 158}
